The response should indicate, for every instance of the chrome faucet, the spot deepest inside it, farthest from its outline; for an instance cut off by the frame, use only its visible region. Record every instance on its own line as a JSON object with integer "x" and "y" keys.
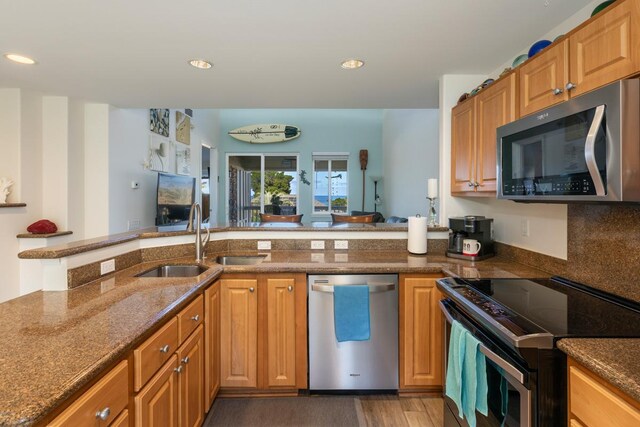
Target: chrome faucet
{"x": 200, "y": 244}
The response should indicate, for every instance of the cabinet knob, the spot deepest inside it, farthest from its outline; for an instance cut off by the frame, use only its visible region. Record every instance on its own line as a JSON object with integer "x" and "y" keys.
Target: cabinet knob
{"x": 570, "y": 86}
{"x": 470, "y": 184}
{"x": 185, "y": 360}
{"x": 251, "y": 289}
{"x": 165, "y": 348}
{"x": 557, "y": 91}
{"x": 290, "y": 288}
{"x": 104, "y": 414}
{"x": 195, "y": 318}
{"x": 476, "y": 184}
{"x": 178, "y": 369}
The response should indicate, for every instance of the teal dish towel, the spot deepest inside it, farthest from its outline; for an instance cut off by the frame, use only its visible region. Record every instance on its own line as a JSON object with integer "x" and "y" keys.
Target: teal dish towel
{"x": 351, "y": 313}
{"x": 466, "y": 382}
{"x": 455, "y": 361}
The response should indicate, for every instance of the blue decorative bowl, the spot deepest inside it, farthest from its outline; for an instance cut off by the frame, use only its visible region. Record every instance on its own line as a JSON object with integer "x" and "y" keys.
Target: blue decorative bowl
{"x": 602, "y": 6}
{"x": 519, "y": 60}
{"x": 538, "y": 46}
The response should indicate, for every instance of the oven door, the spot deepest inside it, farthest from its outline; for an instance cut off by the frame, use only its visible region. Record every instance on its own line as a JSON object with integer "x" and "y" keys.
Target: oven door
{"x": 509, "y": 396}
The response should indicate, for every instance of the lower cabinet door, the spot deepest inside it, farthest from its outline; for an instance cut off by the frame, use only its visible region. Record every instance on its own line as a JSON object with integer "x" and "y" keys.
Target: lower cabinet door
{"x": 212, "y": 343}
{"x": 191, "y": 380}
{"x": 157, "y": 402}
{"x": 420, "y": 333}
{"x": 281, "y": 332}
{"x": 239, "y": 333}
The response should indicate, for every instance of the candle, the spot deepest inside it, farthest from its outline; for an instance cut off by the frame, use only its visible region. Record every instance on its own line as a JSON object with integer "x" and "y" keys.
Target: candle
{"x": 432, "y": 188}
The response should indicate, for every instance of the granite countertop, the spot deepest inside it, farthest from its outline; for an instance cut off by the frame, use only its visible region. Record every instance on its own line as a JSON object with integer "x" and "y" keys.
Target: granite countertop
{"x": 81, "y": 246}
{"x": 614, "y": 359}
{"x": 54, "y": 343}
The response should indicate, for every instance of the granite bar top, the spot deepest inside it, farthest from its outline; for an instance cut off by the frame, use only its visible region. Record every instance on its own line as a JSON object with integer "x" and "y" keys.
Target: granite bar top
{"x": 81, "y": 246}
{"x": 54, "y": 343}
{"x": 44, "y": 235}
{"x": 616, "y": 360}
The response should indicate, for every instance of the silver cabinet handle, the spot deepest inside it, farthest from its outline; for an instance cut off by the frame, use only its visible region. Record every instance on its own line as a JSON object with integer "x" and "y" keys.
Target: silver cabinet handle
{"x": 195, "y": 318}
{"x": 104, "y": 414}
{"x": 590, "y": 151}
{"x": 251, "y": 289}
{"x": 476, "y": 184}
{"x": 185, "y": 360}
{"x": 165, "y": 348}
{"x": 470, "y": 184}
{"x": 557, "y": 91}
{"x": 570, "y": 86}
{"x": 373, "y": 288}
{"x": 178, "y": 369}
{"x": 290, "y": 288}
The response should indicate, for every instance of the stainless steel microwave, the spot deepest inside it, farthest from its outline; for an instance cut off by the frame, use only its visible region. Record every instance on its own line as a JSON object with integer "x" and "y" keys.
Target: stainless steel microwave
{"x": 584, "y": 150}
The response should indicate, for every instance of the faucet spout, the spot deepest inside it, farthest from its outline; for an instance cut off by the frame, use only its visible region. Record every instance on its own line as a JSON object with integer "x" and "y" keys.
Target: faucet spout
{"x": 195, "y": 221}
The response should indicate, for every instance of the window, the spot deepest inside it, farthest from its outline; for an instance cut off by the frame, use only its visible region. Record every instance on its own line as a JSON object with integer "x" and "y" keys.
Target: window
{"x": 330, "y": 184}
{"x": 266, "y": 183}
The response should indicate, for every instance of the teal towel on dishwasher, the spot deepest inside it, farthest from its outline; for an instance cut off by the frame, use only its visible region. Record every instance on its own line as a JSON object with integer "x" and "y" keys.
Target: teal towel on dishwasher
{"x": 351, "y": 313}
{"x": 466, "y": 382}
{"x": 453, "y": 384}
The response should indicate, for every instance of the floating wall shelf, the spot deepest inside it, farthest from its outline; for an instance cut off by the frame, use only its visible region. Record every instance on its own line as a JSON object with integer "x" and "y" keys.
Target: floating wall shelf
{"x": 12, "y": 205}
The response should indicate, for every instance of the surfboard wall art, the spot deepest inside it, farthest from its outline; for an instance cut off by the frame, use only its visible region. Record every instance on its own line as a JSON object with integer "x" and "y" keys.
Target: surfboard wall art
{"x": 265, "y": 133}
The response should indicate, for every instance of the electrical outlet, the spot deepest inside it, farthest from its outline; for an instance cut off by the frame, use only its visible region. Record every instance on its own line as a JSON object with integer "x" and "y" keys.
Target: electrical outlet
{"x": 264, "y": 245}
{"x": 135, "y": 185}
{"x": 317, "y": 244}
{"x": 133, "y": 224}
{"x": 341, "y": 244}
{"x": 524, "y": 227}
{"x": 107, "y": 266}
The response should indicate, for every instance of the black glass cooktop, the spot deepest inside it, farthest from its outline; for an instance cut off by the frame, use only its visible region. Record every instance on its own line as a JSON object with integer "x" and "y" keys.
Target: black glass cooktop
{"x": 556, "y": 306}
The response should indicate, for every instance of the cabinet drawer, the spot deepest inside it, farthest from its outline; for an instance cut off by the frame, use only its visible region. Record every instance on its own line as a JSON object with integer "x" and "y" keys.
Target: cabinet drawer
{"x": 122, "y": 420}
{"x": 190, "y": 318}
{"x": 109, "y": 396}
{"x": 595, "y": 405}
{"x": 154, "y": 352}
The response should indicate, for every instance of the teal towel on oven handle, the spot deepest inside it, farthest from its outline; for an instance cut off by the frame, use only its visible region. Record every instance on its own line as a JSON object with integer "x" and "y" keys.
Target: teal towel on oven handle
{"x": 351, "y": 313}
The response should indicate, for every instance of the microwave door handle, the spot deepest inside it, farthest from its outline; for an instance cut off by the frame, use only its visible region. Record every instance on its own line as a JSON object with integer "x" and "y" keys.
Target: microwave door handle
{"x": 590, "y": 151}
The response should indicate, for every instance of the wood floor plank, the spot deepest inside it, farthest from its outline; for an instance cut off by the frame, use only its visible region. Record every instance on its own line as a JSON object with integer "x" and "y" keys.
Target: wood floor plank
{"x": 419, "y": 419}
{"x": 435, "y": 407}
{"x": 383, "y": 411}
{"x": 412, "y": 404}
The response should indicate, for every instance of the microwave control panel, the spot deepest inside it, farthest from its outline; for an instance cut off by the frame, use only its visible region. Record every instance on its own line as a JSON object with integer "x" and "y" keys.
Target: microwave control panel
{"x": 552, "y": 186}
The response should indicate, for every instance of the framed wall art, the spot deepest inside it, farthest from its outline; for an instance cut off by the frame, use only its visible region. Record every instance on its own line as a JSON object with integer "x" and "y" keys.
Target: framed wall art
{"x": 159, "y": 121}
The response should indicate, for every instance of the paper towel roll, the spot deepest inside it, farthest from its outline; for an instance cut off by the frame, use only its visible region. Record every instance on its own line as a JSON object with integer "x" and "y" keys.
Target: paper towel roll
{"x": 417, "y": 240}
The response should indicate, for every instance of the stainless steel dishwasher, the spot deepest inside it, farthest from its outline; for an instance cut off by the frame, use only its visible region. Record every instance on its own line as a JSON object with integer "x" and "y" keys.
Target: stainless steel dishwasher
{"x": 353, "y": 365}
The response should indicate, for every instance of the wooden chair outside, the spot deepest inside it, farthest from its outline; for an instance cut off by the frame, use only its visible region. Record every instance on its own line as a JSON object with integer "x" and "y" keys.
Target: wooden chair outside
{"x": 352, "y": 218}
{"x": 280, "y": 218}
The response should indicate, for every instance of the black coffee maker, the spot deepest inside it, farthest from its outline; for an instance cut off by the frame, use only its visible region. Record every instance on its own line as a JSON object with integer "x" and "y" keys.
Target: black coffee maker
{"x": 470, "y": 227}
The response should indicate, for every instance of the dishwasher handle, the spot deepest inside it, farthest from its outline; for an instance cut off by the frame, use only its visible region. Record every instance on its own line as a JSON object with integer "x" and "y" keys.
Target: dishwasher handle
{"x": 373, "y": 288}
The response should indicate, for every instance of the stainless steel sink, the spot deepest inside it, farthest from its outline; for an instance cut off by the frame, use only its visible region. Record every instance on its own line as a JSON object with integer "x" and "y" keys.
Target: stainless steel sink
{"x": 240, "y": 260}
{"x": 174, "y": 271}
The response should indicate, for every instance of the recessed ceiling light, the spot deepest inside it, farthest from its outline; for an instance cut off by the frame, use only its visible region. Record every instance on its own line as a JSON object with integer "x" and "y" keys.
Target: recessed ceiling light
{"x": 19, "y": 59}
{"x": 352, "y": 64}
{"x": 200, "y": 63}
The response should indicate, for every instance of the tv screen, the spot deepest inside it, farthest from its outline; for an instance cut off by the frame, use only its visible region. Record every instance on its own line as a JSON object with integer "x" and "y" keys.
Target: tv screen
{"x": 175, "y": 196}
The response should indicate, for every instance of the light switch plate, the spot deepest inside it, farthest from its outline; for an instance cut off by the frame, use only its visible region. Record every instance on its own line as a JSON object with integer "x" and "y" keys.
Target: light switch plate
{"x": 341, "y": 244}
{"x": 107, "y": 266}
{"x": 264, "y": 245}
{"x": 317, "y": 244}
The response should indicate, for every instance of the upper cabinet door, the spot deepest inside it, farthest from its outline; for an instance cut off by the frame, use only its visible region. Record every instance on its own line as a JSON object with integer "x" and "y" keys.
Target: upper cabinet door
{"x": 495, "y": 106}
{"x": 462, "y": 147}
{"x": 607, "y": 49}
{"x": 543, "y": 79}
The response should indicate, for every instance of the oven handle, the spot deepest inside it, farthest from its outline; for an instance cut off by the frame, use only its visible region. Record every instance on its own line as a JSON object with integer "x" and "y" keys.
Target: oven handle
{"x": 382, "y": 287}
{"x": 590, "y": 151}
{"x": 508, "y": 368}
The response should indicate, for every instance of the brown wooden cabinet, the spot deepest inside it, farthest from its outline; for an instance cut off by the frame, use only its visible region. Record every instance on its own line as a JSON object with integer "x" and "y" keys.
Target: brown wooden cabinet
{"x": 239, "y": 333}
{"x": 263, "y": 333}
{"x": 212, "y": 343}
{"x": 191, "y": 380}
{"x": 601, "y": 51}
{"x": 157, "y": 402}
{"x": 473, "y": 137}
{"x": 420, "y": 333}
{"x": 593, "y": 402}
{"x": 543, "y": 79}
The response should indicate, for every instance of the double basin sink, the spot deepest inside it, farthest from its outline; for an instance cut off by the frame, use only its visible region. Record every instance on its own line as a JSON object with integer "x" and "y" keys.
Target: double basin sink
{"x": 196, "y": 270}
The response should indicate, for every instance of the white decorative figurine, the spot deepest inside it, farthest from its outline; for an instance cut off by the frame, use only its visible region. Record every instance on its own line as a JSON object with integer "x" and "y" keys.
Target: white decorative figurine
{"x": 5, "y": 184}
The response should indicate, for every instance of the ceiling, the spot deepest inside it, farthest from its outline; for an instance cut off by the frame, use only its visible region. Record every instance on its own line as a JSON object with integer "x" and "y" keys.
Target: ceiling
{"x": 266, "y": 54}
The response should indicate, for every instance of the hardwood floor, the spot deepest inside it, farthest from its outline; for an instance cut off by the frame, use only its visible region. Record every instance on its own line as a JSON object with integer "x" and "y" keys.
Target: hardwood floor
{"x": 400, "y": 411}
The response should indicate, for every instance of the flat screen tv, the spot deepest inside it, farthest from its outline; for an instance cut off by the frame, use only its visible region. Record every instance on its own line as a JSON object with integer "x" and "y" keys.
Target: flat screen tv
{"x": 174, "y": 198}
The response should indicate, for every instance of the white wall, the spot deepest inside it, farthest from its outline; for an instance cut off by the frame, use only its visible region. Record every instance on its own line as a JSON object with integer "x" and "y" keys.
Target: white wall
{"x": 547, "y": 222}
{"x": 410, "y": 157}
